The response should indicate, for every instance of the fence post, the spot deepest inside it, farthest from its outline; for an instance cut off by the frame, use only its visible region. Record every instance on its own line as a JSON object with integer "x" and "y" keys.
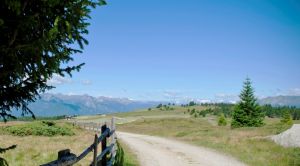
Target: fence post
{"x": 113, "y": 138}
{"x": 103, "y": 146}
{"x": 95, "y": 150}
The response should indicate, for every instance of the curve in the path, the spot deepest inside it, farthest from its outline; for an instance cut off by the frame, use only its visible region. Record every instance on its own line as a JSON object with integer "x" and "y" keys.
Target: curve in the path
{"x": 156, "y": 151}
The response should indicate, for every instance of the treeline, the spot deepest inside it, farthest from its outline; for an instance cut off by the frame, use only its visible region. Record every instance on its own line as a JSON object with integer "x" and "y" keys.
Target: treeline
{"x": 227, "y": 109}
{"x": 276, "y": 112}
{"x": 213, "y": 109}
{"x": 165, "y": 107}
{"x": 191, "y": 103}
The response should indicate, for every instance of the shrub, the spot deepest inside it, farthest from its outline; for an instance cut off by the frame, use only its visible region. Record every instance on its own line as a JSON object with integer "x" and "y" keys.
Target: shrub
{"x": 159, "y": 106}
{"x": 286, "y": 118}
{"x": 49, "y": 123}
{"x": 192, "y": 103}
{"x": 39, "y": 128}
{"x": 222, "y": 120}
{"x": 206, "y": 111}
{"x": 192, "y": 111}
{"x": 202, "y": 113}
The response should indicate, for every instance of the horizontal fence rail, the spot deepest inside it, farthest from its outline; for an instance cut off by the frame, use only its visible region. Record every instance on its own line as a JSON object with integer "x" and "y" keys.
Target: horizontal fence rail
{"x": 66, "y": 158}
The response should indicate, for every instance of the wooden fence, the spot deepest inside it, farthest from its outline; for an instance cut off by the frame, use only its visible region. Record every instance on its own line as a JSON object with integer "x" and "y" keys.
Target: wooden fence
{"x": 108, "y": 152}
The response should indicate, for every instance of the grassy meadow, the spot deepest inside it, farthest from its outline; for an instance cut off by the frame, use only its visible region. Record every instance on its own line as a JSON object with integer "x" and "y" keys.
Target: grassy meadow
{"x": 250, "y": 145}
{"x": 35, "y": 150}
{"x": 42, "y": 147}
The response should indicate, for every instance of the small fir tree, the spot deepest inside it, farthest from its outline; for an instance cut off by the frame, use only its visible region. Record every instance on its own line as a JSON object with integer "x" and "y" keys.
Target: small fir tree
{"x": 247, "y": 112}
{"x": 222, "y": 120}
{"x": 159, "y": 105}
{"x": 286, "y": 118}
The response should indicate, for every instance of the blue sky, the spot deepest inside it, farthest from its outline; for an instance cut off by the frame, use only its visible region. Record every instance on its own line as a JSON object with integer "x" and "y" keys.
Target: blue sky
{"x": 195, "y": 49}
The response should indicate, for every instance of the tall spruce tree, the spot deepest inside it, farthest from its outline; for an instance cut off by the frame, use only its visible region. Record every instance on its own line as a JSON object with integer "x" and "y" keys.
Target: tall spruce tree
{"x": 38, "y": 40}
{"x": 247, "y": 112}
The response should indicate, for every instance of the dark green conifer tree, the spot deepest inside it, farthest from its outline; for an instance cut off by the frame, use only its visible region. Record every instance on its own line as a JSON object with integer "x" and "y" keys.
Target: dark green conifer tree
{"x": 247, "y": 112}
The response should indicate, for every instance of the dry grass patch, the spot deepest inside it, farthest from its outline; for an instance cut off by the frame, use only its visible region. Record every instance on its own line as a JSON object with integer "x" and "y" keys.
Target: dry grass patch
{"x": 36, "y": 150}
{"x": 246, "y": 144}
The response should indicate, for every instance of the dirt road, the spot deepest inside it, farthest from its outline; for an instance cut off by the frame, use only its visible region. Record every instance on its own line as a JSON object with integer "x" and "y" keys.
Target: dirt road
{"x": 289, "y": 138}
{"x": 156, "y": 151}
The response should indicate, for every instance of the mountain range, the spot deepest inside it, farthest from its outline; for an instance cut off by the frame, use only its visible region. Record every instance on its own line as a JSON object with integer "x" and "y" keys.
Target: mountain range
{"x": 61, "y": 104}
{"x": 281, "y": 101}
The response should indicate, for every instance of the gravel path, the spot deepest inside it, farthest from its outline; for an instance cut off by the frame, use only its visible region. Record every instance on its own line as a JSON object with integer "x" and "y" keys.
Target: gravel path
{"x": 289, "y": 138}
{"x": 156, "y": 151}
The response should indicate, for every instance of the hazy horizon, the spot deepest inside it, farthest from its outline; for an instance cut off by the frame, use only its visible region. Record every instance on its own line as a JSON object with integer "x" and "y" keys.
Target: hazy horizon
{"x": 222, "y": 99}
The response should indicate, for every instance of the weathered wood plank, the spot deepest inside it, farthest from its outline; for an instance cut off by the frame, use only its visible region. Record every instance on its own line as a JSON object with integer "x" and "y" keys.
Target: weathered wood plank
{"x": 95, "y": 150}
{"x": 103, "y": 145}
{"x": 65, "y": 158}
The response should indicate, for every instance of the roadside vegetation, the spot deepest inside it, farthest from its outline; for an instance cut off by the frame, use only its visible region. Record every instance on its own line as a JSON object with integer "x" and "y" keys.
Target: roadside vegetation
{"x": 125, "y": 156}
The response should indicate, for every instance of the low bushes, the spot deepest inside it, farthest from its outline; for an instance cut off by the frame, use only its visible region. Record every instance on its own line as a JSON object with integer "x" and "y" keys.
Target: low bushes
{"x": 39, "y": 128}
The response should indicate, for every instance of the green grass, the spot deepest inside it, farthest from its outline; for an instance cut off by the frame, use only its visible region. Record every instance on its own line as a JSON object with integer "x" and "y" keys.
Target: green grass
{"x": 38, "y": 128}
{"x": 130, "y": 159}
{"x": 249, "y": 145}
